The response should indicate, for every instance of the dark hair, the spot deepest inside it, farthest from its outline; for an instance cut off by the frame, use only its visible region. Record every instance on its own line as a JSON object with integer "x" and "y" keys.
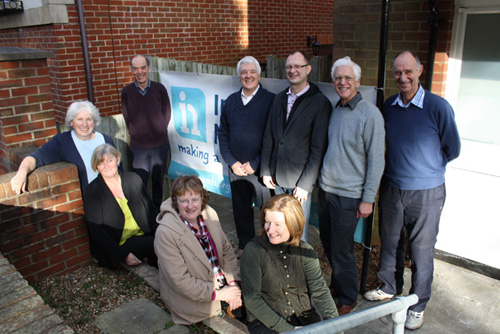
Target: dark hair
{"x": 292, "y": 210}
{"x": 306, "y": 57}
{"x": 188, "y": 183}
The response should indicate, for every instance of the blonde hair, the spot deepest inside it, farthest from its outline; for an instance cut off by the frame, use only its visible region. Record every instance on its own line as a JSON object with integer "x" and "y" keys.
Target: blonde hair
{"x": 292, "y": 210}
{"x": 100, "y": 151}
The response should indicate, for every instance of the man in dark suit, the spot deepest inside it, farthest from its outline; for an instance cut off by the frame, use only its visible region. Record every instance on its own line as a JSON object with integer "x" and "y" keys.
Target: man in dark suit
{"x": 296, "y": 135}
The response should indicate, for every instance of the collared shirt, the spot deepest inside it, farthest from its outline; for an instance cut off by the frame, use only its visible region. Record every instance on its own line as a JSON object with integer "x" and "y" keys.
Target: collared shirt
{"x": 245, "y": 99}
{"x": 143, "y": 92}
{"x": 352, "y": 102}
{"x": 293, "y": 97}
{"x": 417, "y": 101}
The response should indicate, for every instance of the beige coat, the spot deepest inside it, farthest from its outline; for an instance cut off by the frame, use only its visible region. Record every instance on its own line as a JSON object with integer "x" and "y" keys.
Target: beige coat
{"x": 187, "y": 280}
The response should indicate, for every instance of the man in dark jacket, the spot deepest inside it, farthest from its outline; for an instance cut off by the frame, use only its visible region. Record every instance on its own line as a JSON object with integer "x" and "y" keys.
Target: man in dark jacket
{"x": 296, "y": 135}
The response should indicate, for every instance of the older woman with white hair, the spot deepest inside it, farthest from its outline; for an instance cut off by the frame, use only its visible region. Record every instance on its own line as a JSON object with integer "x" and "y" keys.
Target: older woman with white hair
{"x": 75, "y": 146}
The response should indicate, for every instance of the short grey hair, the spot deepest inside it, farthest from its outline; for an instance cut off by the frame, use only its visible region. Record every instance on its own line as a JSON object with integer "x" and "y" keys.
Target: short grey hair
{"x": 417, "y": 59}
{"x": 346, "y": 61}
{"x": 100, "y": 151}
{"x": 137, "y": 56}
{"x": 78, "y": 106}
{"x": 248, "y": 60}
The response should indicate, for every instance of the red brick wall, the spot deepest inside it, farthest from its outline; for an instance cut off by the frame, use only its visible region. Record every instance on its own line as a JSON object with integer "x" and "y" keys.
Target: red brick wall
{"x": 357, "y": 34}
{"x": 211, "y": 31}
{"x": 43, "y": 231}
{"x": 26, "y": 107}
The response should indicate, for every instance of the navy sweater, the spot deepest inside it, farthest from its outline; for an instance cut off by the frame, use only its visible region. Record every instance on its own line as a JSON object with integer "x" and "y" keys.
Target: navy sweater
{"x": 420, "y": 142}
{"x": 242, "y": 127}
{"x": 62, "y": 148}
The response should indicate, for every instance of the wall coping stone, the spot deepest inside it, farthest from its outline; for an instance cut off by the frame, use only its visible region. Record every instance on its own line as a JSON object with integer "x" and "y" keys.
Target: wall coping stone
{"x": 11, "y": 53}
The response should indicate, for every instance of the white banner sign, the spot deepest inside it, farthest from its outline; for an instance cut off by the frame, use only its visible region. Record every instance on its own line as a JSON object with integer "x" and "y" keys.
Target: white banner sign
{"x": 197, "y": 101}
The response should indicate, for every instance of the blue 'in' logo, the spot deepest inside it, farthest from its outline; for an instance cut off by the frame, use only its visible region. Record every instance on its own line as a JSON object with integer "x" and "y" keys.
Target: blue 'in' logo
{"x": 189, "y": 111}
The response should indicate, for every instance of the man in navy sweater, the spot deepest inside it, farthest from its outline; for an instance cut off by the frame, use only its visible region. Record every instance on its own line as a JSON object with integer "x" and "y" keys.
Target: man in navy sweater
{"x": 146, "y": 110}
{"x": 243, "y": 121}
{"x": 421, "y": 138}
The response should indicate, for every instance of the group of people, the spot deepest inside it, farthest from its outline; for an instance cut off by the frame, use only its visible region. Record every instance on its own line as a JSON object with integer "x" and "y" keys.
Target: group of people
{"x": 277, "y": 147}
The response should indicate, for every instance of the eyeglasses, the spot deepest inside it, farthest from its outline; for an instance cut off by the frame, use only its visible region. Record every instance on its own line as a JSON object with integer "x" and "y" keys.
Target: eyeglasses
{"x": 295, "y": 67}
{"x": 346, "y": 78}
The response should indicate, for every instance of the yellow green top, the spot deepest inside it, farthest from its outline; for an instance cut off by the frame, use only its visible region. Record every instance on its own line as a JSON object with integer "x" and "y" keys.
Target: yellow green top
{"x": 130, "y": 228}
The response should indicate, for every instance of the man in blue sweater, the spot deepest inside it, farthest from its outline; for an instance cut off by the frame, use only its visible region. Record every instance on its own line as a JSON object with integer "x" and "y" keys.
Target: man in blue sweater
{"x": 349, "y": 178}
{"x": 242, "y": 124}
{"x": 421, "y": 138}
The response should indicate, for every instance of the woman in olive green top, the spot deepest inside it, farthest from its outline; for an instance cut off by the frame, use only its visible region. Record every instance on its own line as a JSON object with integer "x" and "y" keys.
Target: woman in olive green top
{"x": 120, "y": 215}
{"x": 281, "y": 275}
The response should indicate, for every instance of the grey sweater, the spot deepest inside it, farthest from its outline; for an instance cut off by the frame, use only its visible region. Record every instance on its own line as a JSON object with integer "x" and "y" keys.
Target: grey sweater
{"x": 354, "y": 161}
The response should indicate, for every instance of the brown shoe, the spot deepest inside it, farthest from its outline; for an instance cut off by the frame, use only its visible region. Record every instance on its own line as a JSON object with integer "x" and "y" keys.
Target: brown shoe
{"x": 238, "y": 252}
{"x": 344, "y": 309}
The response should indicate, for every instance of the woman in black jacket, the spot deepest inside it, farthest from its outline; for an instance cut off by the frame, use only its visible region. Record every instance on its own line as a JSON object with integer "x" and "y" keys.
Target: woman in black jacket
{"x": 120, "y": 215}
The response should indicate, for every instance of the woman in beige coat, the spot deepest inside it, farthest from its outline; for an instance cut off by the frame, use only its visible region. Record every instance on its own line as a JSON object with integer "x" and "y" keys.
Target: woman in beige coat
{"x": 198, "y": 268}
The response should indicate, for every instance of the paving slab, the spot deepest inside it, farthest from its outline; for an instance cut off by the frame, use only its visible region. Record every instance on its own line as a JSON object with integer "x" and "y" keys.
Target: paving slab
{"x": 138, "y": 316}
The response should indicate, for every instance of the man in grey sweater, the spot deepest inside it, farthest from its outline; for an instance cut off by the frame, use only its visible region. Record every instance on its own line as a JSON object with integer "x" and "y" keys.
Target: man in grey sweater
{"x": 349, "y": 178}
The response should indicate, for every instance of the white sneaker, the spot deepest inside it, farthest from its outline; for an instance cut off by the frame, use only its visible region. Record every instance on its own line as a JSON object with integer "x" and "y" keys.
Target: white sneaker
{"x": 377, "y": 294}
{"x": 414, "y": 320}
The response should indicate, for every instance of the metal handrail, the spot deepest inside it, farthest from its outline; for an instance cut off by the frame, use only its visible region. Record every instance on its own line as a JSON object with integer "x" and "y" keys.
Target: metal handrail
{"x": 397, "y": 307}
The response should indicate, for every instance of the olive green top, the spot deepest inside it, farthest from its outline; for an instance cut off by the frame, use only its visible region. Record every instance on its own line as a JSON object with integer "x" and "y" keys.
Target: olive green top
{"x": 279, "y": 281}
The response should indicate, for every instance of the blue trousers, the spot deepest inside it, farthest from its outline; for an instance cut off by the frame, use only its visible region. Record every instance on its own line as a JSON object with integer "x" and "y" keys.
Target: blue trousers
{"x": 152, "y": 162}
{"x": 337, "y": 225}
{"x": 419, "y": 211}
{"x": 306, "y": 206}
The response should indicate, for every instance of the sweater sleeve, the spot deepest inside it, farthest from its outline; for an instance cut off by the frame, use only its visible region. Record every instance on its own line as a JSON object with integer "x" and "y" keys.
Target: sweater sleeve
{"x": 49, "y": 153}
{"x": 251, "y": 278}
{"x": 317, "y": 286}
{"x": 374, "y": 142}
{"x": 448, "y": 133}
{"x": 267, "y": 141}
{"x": 223, "y": 135}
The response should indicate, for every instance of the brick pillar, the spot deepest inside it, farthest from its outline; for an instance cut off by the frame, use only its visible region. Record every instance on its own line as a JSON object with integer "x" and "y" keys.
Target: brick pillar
{"x": 26, "y": 107}
{"x": 43, "y": 231}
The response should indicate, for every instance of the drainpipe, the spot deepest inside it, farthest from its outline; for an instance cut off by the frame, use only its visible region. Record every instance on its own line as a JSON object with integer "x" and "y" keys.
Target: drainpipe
{"x": 382, "y": 56}
{"x": 384, "y": 31}
{"x": 86, "y": 57}
{"x": 434, "y": 21}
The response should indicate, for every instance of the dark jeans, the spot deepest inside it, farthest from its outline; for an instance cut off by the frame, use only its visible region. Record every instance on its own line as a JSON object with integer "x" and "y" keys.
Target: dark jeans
{"x": 337, "y": 225}
{"x": 243, "y": 191}
{"x": 419, "y": 212}
{"x": 152, "y": 162}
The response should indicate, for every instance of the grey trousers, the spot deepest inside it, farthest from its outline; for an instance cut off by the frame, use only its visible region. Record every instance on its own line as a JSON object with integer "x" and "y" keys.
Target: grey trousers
{"x": 419, "y": 212}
